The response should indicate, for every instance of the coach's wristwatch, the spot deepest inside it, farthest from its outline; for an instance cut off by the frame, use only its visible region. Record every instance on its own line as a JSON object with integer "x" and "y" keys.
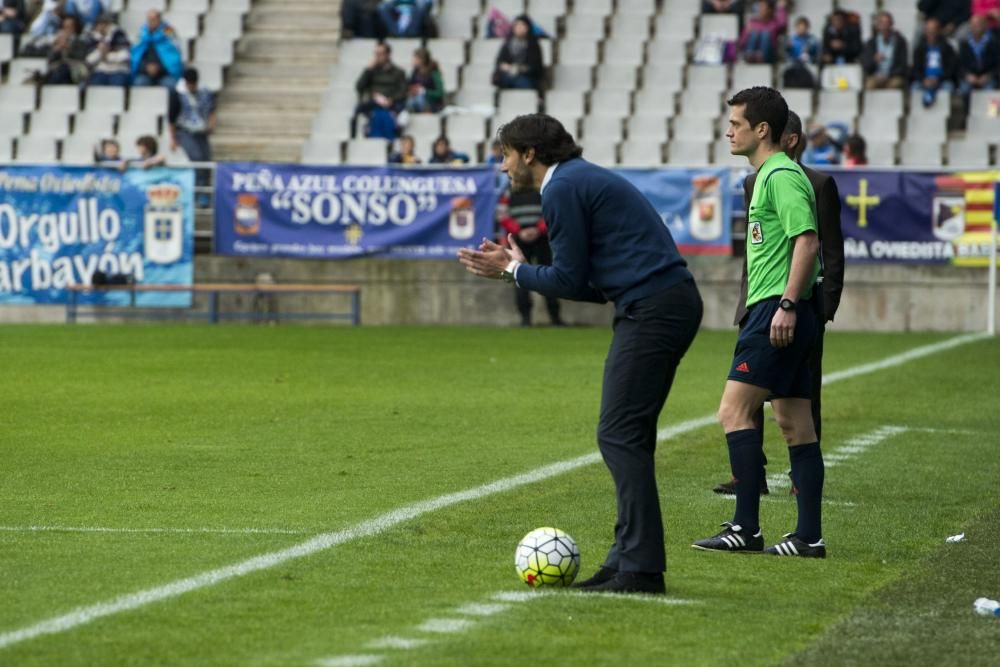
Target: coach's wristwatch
{"x": 787, "y": 305}
{"x": 507, "y": 275}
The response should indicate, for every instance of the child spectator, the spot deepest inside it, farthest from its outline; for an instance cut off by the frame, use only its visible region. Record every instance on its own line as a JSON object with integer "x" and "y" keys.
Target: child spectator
{"x": 855, "y": 151}
{"x": 406, "y": 153}
{"x": 149, "y": 154}
{"x": 443, "y": 154}
{"x": 802, "y": 52}
{"x": 108, "y": 153}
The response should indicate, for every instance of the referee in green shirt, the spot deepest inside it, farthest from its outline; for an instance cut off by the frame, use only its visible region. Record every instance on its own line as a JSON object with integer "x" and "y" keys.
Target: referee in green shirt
{"x": 772, "y": 351}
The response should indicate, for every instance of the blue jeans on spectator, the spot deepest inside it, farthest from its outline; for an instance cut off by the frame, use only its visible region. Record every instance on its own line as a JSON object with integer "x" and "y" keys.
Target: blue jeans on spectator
{"x": 366, "y": 109}
{"x": 519, "y": 81}
{"x": 414, "y": 28}
{"x": 759, "y": 42}
{"x": 930, "y": 94}
{"x": 966, "y": 88}
{"x": 108, "y": 79}
{"x": 142, "y": 79}
{"x": 195, "y": 145}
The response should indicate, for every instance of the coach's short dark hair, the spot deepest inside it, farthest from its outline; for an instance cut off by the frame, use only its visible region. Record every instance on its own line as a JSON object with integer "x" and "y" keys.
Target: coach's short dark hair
{"x": 545, "y": 134}
{"x": 763, "y": 105}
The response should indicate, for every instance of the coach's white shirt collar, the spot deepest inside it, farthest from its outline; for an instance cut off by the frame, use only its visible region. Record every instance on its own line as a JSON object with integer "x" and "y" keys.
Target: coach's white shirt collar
{"x": 548, "y": 176}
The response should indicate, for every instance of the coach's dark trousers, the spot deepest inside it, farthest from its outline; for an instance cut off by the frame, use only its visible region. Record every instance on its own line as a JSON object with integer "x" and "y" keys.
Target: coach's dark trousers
{"x": 650, "y": 338}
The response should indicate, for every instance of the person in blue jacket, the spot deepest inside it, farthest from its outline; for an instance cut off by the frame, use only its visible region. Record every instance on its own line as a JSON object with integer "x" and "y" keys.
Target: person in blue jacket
{"x": 156, "y": 55}
{"x": 608, "y": 244}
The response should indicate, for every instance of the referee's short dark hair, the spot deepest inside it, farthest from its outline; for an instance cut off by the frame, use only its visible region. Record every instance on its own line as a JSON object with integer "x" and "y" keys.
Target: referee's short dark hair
{"x": 763, "y": 105}
{"x": 545, "y": 134}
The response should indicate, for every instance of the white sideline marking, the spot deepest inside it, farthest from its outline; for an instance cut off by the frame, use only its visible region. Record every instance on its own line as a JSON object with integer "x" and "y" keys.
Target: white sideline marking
{"x": 517, "y": 596}
{"x": 97, "y": 529}
{"x": 349, "y": 661}
{"x": 478, "y": 609}
{"x": 852, "y": 448}
{"x": 445, "y": 625}
{"x": 83, "y": 615}
{"x": 404, "y": 643}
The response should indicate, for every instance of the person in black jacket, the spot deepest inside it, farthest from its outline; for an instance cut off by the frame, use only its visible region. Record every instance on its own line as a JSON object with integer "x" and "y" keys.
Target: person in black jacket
{"x": 886, "y": 55}
{"x": 841, "y": 39}
{"x": 831, "y": 239}
{"x": 978, "y": 59}
{"x": 519, "y": 62}
{"x": 934, "y": 63}
{"x": 608, "y": 243}
{"x": 951, "y": 14}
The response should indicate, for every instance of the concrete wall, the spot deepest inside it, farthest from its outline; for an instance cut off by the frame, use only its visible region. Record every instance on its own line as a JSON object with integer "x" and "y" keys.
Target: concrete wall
{"x": 877, "y": 297}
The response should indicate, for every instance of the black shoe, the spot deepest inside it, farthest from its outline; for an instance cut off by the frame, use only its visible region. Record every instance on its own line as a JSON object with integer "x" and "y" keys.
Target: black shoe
{"x": 732, "y": 538}
{"x": 602, "y": 575}
{"x": 631, "y": 582}
{"x": 793, "y": 546}
{"x": 729, "y": 488}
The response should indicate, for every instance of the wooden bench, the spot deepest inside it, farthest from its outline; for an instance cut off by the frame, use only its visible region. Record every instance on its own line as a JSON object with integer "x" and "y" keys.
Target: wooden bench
{"x": 213, "y": 290}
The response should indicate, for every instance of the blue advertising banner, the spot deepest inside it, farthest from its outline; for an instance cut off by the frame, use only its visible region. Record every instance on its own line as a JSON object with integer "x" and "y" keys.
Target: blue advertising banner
{"x": 61, "y": 226}
{"x": 916, "y": 217}
{"x": 275, "y": 210}
{"x": 695, "y": 204}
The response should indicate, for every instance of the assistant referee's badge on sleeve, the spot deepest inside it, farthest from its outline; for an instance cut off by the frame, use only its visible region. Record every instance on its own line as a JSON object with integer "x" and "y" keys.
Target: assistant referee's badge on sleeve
{"x": 756, "y": 233}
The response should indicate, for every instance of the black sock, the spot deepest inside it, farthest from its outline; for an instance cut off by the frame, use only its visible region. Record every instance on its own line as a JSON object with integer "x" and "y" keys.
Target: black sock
{"x": 807, "y": 478}
{"x": 746, "y": 451}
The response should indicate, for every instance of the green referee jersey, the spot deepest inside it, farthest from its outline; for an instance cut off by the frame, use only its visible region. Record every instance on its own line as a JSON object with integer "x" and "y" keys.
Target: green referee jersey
{"x": 782, "y": 207}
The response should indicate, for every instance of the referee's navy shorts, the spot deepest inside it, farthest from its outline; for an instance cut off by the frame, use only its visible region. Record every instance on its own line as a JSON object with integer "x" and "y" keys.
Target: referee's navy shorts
{"x": 783, "y": 371}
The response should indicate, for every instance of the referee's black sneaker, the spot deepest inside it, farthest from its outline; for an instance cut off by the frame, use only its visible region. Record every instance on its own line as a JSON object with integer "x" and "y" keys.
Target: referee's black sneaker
{"x": 732, "y": 538}
{"x": 602, "y": 575}
{"x": 793, "y": 546}
{"x": 631, "y": 582}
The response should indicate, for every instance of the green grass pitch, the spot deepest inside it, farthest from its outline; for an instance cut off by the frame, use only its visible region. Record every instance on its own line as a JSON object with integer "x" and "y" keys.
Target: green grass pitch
{"x": 167, "y": 432}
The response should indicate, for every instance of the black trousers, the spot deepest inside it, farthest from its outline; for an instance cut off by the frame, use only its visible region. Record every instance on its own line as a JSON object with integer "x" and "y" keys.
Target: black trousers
{"x": 538, "y": 252}
{"x": 650, "y": 339}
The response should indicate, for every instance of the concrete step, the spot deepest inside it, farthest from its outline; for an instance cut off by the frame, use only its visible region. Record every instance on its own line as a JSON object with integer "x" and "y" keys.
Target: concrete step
{"x": 280, "y": 69}
{"x": 267, "y": 123}
{"x": 289, "y": 21}
{"x": 273, "y": 97}
{"x": 289, "y": 45}
{"x": 238, "y": 147}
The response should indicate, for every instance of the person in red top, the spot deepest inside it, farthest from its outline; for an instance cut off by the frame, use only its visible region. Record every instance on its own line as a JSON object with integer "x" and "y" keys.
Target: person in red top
{"x": 990, "y": 9}
{"x": 520, "y": 214}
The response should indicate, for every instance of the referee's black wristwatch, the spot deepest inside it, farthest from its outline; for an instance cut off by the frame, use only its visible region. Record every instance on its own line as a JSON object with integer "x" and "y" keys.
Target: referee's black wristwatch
{"x": 787, "y": 305}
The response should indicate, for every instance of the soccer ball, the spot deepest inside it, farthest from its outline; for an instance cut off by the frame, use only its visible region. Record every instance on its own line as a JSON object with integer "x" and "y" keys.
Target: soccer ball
{"x": 547, "y": 557}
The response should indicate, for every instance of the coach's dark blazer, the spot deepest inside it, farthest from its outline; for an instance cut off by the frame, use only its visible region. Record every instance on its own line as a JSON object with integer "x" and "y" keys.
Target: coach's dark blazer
{"x": 831, "y": 240}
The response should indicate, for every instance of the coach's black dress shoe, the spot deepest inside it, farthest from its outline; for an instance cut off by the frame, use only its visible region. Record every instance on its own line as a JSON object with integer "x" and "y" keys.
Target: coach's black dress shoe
{"x": 631, "y": 582}
{"x": 602, "y": 575}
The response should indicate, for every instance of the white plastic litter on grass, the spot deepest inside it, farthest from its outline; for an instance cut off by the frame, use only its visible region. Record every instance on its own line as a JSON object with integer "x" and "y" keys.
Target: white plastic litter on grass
{"x": 956, "y": 538}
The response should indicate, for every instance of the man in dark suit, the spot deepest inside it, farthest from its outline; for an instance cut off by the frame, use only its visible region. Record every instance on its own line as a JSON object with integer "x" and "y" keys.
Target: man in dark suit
{"x": 831, "y": 240}
{"x": 608, "y": 243}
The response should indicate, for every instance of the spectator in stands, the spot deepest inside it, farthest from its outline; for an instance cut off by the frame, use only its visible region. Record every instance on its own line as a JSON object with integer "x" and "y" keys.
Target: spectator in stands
{"x": 87, "y": 11}
{"x": 495, "y": 158}
{"x": 156, "y": 57}
{"x": 361, "y": 18}
{"x": 426, "y": 87}
{"x": 978, "y": 58}
{"x": 66, "y": 62}
{"x": 841, "y": 38}
{"x": 406, "y": 153}
{"x": 802, "y": 53}
{"x": 43, "y": 31}
{"x": 723, "y": 7}
{"x": 108, "y": 153}
{"x": 381, "y": 92}
{"x": 12, "y": 17}
{"x": 403, "y": 18}
{"x": 149, "y": 154}
{"x": 950, "y": 14}
{"x": 989, "y": 10}
{"x": 192, "y": 119}
{"x": 443, "y": 154}
{"x": 855, "y": 151}
{"x": 519, "y": 62}
{"x": 821, "y": 149}
{"x": 520, "y": 213}
{"x": 759, "y": 41}
{"x": 934, "y": 63}
{"x": 885, "y": 58}
{"x": 110, "y": 56}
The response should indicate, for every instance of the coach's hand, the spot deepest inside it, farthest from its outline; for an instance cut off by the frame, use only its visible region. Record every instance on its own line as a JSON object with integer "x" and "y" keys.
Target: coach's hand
{"x": 489, "y": 261}
{"x": 782, "y": 328}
